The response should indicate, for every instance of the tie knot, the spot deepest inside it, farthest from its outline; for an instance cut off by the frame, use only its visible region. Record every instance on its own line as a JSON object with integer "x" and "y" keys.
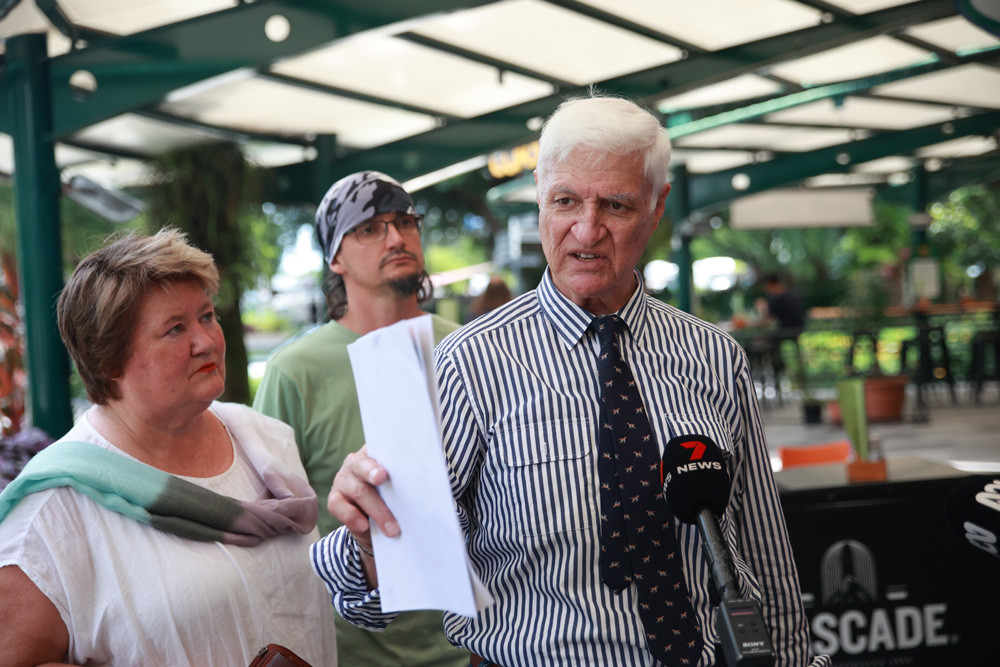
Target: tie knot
{"x": 607, "y": 328}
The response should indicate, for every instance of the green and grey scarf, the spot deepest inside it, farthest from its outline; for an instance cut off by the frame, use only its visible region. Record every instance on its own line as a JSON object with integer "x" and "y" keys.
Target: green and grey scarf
{"x": 161, "y": 500}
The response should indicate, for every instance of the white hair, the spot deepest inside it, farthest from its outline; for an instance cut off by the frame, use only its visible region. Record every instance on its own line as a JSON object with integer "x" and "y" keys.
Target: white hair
{"x": 610, "y": 125}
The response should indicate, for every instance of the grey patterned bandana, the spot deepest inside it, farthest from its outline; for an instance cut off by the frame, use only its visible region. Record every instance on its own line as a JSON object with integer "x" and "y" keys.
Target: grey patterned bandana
{"x": 353, "y": 200}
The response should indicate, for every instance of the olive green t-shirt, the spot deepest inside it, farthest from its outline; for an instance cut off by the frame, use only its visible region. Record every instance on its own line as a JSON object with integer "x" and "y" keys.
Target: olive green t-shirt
{"x": 308, "y": 384}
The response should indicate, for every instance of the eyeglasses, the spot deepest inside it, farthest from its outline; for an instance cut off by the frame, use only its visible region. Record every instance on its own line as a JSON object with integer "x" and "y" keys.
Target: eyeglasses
{"x": 375, "y": 231}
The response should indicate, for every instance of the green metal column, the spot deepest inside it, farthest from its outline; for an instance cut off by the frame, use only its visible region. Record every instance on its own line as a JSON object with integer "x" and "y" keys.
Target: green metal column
{"x": 36, "y": 198}
{"x": 679, "y": 192}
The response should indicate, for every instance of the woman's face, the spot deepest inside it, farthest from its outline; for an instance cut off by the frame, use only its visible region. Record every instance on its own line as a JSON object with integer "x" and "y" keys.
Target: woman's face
{"x": 178, "y": 352}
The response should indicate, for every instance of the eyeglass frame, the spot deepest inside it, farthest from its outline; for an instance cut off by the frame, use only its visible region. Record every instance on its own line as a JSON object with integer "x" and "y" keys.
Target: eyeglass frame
{"x": 417, "y": 217}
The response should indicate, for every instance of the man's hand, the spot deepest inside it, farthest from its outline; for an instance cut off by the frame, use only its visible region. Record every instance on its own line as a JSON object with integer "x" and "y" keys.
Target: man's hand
{"x": 354, "y": 498}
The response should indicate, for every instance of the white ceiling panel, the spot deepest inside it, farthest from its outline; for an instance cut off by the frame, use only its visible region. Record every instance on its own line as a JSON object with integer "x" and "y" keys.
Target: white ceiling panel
{"x": 122, "y": 173}
{"x": 867, "y": 6}
{"x": 705, "y": 162}
{"x": 785, "y": 139}
{"x": 264, "y": 106}
{"x": 971, "y": 85}
{"x": 886, "y": 165}
{"x": 851, "y": 61}
{"x": 140, "y": 135}
{"x": 718, "y": 23}
{"x": 961, "y": 147}
{"x": 745, "y": 87}
{"x": 124, "y": 17}
{"x": 865, "y": 113}
{"x": 393, "y": 68}
{"x": 549, "y": 39}
{"x": 844, "y": 180}
{"x": 955, "y": 34}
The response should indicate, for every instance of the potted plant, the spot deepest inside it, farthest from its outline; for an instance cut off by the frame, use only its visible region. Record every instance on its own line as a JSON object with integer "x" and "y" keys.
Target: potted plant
{"x": 866, "y": 303}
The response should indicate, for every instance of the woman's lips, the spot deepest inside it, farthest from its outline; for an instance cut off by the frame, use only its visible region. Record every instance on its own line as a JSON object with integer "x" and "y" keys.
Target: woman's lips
{"x": 208, "y": 368}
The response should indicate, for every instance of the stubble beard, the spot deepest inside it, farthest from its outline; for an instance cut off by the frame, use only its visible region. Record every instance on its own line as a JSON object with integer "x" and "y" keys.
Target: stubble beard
{"x": 406, "y": 286}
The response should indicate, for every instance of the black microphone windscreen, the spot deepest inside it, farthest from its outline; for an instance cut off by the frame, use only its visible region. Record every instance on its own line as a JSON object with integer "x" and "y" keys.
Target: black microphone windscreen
{"x": 694, "y": 476}
{"x": 972, "y": 508}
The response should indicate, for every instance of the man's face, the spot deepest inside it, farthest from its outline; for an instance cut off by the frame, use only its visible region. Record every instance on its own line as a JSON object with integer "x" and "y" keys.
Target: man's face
{"x": 397, "y": 259}
{"x": 595, "y": 218}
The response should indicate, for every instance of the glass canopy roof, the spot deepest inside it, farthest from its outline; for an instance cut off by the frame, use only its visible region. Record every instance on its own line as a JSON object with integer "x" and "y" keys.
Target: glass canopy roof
{"x": 411, "y": 88}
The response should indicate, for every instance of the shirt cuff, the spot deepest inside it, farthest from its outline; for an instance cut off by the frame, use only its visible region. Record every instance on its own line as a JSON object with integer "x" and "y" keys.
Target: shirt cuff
{"x": 336, "y": 560}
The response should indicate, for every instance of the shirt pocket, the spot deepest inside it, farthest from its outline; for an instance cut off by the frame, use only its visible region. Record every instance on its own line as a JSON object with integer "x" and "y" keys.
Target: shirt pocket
{"x": 547, "y": 471}
{"x": 674, "y": 424}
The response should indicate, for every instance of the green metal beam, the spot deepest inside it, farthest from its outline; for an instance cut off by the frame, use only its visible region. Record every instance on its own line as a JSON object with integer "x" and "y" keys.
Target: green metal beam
{"x": 36, "y": 198}
{"x": 711, "y": 190}
{"x": 141, "y": 69}
{"x": 681, "y": 128}
{"x": 454, "y": 142}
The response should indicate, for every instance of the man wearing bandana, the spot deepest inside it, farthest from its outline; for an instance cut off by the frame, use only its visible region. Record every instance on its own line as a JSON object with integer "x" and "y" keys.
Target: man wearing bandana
{"x": 369, "y": 231}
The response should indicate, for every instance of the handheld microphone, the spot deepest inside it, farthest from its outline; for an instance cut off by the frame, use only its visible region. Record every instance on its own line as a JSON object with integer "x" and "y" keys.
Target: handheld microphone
{"x": 972, "y": 508}
{"x": 696, "y": 487}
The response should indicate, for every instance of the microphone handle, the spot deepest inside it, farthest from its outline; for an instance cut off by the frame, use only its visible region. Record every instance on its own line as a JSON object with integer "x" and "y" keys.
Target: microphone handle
{"x": 720, "y": 560}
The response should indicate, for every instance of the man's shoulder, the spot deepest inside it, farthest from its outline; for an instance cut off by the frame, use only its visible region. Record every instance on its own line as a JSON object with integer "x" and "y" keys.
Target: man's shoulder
{"x": 326, "y": 340}
{"x": 515, "y": 313}
{"x": 442, "y": 327}
{"x": 664, "y": 316}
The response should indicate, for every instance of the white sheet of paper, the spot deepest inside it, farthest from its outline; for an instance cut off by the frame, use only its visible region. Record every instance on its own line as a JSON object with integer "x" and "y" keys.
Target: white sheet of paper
{"x": 394, "y": 373}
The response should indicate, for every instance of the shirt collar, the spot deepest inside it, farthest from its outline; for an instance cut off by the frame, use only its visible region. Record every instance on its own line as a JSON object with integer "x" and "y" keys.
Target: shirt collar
{"x": 571, "y": 321}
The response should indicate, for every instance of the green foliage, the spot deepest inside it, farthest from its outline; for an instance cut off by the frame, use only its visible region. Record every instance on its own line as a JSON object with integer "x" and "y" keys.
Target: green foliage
{"x": 266, "y": 319}
{"x": 465, "y": 251}
{"x": 968, "y": 224}
{"x": 966, "y": 230}
{"x": 213, "y": 194}
{"x": 448, "y": 205}
{"x": 881, "y": 243}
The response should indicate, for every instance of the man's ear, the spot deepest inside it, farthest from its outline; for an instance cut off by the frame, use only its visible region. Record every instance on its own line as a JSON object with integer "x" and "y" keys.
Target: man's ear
{"x": 336, "y": 266}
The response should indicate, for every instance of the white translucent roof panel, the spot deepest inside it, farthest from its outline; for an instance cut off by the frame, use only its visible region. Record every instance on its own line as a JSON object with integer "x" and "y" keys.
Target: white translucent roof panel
{"x": 767, "y": 138}
{"x": 866, "y": 113}
{"x": 843, "y": 180}
{"x": 704, "y": 162}
{"x": 266, "y": 154}
{"x": 867, "y": 6}
{"x": 716, "y": 24}
{"x": 124, "y": 17}
{"x": 972, "y": 85}
{"x": 955, "y": 34}
{"x": 548, "y": 39}
{"x": 25, "y": 17}
{"x": 886, "y": 165}
{"x": 122, "y": 173}
{"x": 144, "y": 136}
{"x": 745, "y": 87}
{"x": 851, "y": 61}
{"x": 392, "y": 68}
{"x": 969, "y": 146}
{"x": 259, "y": 105}
{"x": 6, "y": 154}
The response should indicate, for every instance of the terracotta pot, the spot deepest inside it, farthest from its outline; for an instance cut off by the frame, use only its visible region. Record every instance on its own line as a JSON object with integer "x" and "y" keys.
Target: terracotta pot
{"x": 884, "y": 398}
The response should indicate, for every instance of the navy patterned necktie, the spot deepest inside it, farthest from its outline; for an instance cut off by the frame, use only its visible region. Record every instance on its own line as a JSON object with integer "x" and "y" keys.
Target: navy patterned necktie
{"x": 638, "y": 543}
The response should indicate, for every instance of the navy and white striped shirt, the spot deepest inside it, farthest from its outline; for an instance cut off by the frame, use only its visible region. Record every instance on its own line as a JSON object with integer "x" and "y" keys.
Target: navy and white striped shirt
{"x": 519, "y": 408}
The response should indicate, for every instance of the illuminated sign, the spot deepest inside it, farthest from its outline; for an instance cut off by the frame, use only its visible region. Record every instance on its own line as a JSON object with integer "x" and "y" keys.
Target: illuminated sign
{"x": 504, "y": 164}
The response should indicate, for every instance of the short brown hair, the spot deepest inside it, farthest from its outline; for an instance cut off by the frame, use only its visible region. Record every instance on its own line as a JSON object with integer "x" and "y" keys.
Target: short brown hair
{"x": 97, "y": 309}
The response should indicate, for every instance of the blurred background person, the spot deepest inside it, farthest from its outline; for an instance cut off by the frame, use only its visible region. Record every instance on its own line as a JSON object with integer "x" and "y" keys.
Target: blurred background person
{"x": 369, "y": 231}
{"x": 782, "y": 312}
{"x": 164, "y": 527}
{"x": 496, "y": 294}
